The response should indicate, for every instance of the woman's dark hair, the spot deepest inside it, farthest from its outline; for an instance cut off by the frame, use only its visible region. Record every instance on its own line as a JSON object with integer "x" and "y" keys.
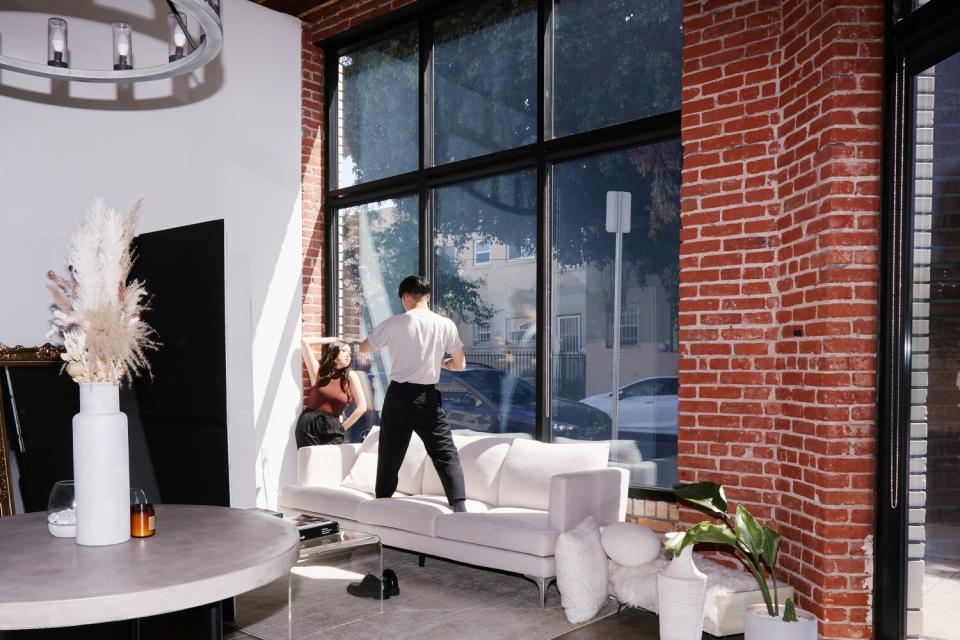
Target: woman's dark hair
{"x": 417, "y": 286}
{"x": 327, "y": 370}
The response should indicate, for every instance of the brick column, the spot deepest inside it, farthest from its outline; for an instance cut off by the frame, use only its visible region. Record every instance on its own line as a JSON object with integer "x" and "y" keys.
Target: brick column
{"x": 780, "y": 210}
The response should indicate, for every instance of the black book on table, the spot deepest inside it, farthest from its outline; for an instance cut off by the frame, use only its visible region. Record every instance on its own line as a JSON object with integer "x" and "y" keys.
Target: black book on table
{"x": 313, "y": 526}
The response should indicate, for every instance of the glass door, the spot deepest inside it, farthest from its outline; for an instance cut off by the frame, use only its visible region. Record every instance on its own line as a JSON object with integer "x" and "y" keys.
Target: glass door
{"x": 933, "y": 498}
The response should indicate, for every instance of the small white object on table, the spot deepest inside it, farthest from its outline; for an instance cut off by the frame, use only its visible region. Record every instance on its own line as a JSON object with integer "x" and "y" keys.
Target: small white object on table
{"x": 199, "y": 555}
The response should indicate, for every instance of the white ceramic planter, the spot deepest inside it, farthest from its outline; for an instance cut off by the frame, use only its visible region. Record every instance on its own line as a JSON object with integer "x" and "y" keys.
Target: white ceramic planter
{"x": 681, "y": 589}
{"x": 758, "y": 624}
{"x": 101, "y": 466}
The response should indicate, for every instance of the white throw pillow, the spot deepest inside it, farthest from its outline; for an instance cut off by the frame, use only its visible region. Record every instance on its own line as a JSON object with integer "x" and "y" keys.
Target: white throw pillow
{"x": 581, "y": 571}
{"x": 629, "y": 544}
{"x": 529, "y": 465}
{"x": 363, "y": 474}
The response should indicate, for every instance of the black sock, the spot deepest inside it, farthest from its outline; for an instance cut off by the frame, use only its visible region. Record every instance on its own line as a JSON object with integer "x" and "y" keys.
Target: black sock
{"x": 460, "y": 506}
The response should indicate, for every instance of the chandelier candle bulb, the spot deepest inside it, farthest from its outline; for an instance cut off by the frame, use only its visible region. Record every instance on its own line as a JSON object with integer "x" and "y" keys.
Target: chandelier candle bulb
{"x": 178, "y": 37}
{"x": 57, "y": 42}
{"x": 122, "y": 46}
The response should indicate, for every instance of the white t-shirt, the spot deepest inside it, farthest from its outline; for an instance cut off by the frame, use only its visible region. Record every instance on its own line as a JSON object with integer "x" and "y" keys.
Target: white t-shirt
{"x": 417, "y": 341}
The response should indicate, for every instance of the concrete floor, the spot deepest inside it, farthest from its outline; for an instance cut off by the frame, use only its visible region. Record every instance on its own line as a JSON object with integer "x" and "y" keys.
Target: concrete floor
{"x": 629, "y": 624}
{"x": 941, "y": 583}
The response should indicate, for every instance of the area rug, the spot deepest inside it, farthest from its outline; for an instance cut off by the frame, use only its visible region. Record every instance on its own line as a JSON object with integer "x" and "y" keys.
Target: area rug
{"x": 440, "y": 601}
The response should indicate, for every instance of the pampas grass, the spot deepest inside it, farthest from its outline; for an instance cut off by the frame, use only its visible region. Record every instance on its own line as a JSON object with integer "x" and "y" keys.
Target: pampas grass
{"x": 95, "y": 310}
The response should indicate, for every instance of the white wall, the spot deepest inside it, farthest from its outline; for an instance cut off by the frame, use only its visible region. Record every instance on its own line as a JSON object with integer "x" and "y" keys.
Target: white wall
{"x": 222, "y": 143}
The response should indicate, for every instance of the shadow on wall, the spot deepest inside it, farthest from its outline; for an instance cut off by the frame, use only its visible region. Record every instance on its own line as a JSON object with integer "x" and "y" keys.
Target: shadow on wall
{"x": 185, "y": 89}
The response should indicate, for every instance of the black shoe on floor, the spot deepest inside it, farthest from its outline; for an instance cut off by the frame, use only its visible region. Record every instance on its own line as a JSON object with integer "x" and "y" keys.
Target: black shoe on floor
{"x": 369, "y": 587}
{"x": 391, "y": 586}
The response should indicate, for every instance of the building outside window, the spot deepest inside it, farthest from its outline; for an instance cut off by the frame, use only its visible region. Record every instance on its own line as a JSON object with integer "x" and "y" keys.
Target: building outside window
{"x": 629, "y": 326}
{"x": 515, "y": 253}
{"x": 481, "y": 334}
{"x": 481, "y": 253}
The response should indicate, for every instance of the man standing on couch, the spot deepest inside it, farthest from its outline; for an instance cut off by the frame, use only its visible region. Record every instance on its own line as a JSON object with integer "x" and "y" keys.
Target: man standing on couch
{"x": 418, "y": 342}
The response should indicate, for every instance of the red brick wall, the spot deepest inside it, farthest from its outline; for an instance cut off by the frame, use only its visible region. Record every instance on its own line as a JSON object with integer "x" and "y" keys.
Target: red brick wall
{"x": 778, "y": 311}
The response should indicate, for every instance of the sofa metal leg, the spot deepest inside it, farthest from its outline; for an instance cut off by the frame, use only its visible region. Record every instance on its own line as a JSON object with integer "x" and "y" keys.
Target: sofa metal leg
{"x": 542, "y": 585}
{"x": 421, "y": 560}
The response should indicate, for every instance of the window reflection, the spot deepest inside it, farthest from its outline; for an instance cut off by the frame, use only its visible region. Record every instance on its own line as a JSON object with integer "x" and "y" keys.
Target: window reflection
{"x": 631, "y": 72}
{"x": 376, "y": 248}
{"x": 485, "y": 79}
{"x": 644, "y": 438}
{"x": 375, "y": 131}
{"x": 490, "y": 297}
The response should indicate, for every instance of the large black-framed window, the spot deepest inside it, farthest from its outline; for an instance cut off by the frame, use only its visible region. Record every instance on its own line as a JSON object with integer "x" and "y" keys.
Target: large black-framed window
{"x": 488, "y": 152}
{"x": 917, "y": 415}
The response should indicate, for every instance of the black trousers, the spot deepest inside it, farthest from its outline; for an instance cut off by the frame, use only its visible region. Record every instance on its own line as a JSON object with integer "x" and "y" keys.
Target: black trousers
{"x": 409, "y": 407}
{"x": 316, "y": 427}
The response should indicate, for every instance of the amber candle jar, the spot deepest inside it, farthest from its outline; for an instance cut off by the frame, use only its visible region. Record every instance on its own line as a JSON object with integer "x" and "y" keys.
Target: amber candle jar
{"x": 143, "y": 520}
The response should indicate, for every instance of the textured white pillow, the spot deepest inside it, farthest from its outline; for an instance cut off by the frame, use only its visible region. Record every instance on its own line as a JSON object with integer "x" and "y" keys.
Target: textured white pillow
{"x": 363, "y": 474}
{"x": 630, "y": 544}
{"x": 581, "y": 571}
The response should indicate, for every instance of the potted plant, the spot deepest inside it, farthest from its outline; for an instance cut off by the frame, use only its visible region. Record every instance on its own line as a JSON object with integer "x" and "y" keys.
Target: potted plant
{"x": 756, "y": 546}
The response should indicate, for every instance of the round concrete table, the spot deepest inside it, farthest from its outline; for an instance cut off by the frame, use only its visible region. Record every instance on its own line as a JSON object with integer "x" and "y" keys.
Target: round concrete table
{"x": 199, "y": 555}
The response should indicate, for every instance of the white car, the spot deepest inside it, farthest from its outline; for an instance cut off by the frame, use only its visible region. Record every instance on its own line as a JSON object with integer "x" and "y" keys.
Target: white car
{"x": 648, "y": 414}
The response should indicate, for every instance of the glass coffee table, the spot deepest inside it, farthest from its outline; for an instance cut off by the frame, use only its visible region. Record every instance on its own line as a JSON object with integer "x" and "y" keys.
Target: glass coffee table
{"x": 325, "y": 548}
{"x": 321, "y": 560}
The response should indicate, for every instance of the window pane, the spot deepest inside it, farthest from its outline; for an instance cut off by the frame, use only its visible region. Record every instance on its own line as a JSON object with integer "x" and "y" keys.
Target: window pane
{"x": 497, "y": 392}
{"x": 630, "y": 71}
{"x": 377, "y": 101}
{"x": 584, "y": 265}
{"x": 934, "y": 464}
{"x": 485, "y": 79}
{"x": 377, "y": 247}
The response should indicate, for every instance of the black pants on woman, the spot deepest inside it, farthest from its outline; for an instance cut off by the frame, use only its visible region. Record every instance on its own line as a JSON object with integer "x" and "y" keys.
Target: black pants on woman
{"x": 409, "y": 407}
{"x": 316, "y": 427}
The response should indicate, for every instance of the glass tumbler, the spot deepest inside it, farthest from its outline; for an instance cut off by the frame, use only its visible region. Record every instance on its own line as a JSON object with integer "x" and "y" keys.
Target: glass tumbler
{"x": 61, "y": 510}
{"x": 143, "y": 518}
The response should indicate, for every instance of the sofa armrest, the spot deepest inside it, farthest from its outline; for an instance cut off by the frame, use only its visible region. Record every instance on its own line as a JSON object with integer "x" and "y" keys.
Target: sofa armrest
{"x": 325, "y": 465}
{"x": 601, "y": 493}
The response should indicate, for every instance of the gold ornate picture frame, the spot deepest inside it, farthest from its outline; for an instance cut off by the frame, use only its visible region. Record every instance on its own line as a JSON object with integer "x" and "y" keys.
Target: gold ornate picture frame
{"x": 47, "y": 355}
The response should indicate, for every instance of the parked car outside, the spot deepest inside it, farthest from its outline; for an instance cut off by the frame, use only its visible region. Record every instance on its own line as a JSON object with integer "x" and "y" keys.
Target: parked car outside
{"x": 648, "y": 414}
{"x": 473, "y": 399}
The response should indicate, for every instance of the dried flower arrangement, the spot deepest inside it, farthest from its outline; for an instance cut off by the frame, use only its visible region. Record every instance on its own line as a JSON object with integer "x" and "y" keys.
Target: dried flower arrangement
{"x": 96, "y": 311}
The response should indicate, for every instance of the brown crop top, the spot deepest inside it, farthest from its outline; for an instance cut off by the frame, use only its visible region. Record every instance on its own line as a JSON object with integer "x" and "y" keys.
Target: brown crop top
{"x": 330, "y": 398}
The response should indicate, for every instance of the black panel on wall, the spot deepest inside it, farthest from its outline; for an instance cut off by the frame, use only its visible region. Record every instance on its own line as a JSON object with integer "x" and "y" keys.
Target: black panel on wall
{"x": 46, "y": 401}
{"x": 183, "y": 410}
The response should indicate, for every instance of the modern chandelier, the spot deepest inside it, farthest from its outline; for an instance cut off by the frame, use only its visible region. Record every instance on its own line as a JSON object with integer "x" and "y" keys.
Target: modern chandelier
{"x": 184, "y": 52}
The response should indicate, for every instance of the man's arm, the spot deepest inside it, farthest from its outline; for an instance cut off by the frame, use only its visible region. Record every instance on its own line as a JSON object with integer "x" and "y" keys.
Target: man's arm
{"x": 366, "y": 347}
{"x": 457, "y": 361}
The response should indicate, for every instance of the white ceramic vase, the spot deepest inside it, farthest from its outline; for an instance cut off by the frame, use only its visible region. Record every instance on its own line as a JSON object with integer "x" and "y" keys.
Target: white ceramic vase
{"x": 101, "y": 466}
{"x": 681, "y": 589}
{"x": 758, "y": 624}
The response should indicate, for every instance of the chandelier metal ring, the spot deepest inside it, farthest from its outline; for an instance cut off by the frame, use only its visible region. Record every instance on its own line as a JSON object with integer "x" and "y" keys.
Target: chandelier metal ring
{"x": 210, "y": 45}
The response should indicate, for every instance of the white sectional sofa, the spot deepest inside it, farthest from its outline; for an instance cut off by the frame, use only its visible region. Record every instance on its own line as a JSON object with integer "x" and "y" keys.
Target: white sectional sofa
{"x": 521, "y": 494}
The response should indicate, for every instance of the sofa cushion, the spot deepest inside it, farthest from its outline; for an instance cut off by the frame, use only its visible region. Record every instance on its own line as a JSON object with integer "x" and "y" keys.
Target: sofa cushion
{"x": 417, "y": 514}
{"x": 513, "y": 528}
{"x": 363, "y": 474}
{"x": 529, "y": 465}
{"x": 340, "y": 502}
{"x": 481, "y": 458}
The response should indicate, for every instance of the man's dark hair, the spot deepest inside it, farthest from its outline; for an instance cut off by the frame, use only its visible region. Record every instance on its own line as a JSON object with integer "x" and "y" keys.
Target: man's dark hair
{"x": 417, "y": 286}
